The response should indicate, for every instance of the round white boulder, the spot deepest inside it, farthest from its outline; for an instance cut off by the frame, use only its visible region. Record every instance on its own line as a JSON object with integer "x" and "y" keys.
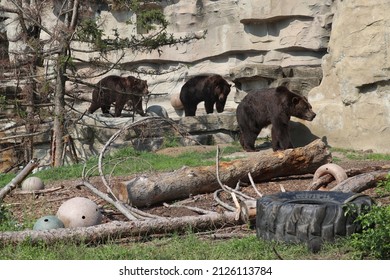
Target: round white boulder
{"x": 79, "y": 212}
{"x": 32, "y": 184}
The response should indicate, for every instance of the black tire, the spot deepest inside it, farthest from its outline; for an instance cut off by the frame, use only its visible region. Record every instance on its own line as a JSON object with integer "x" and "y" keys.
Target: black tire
{"x": 309, "y": 216}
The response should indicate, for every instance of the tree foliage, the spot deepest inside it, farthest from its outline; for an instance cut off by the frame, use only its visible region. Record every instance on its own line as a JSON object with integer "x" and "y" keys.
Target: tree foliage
{"x": 56, "y": 51}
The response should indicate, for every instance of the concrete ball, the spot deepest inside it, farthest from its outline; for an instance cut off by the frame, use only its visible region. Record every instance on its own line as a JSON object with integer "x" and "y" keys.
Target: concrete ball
{"x": 48, "y": 222}
{"x": 176, "y": 102}
{"x": 79, "y": 212}
{"x": 32, "y": 184}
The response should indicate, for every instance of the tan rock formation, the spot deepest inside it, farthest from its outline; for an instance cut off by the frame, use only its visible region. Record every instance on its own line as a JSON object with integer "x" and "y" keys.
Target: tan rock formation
{"x": 353, "y": 101}
{"x": 260, "y": 44}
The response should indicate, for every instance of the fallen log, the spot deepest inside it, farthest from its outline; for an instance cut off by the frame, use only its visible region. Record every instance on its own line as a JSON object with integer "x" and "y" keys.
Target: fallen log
{"x": 361, "y": 182}
{"x": 327, "y": 179}
{"x": 157, "y": 188}
{"x": 248, "y": 212}
{"x": 115, "y": 230}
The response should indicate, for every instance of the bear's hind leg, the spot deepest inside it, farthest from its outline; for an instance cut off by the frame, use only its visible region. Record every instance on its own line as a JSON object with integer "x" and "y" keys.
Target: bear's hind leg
{"x": 247, "y": 140}
{"x": 119, "y": 105}
{"x": 190, "y": 111}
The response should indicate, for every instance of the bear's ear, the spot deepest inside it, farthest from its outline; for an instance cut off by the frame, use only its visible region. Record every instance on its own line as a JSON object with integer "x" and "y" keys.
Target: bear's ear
{"x": 295, "y": 100}
{"x": 281, "y": 89}
{"x": 129, "y": 80}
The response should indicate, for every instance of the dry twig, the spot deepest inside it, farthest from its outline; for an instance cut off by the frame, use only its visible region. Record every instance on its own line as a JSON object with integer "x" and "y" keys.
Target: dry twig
{"x": 19, "y": 178}
{"x": 253, "y": 185}
{"x": 41, "y": 191}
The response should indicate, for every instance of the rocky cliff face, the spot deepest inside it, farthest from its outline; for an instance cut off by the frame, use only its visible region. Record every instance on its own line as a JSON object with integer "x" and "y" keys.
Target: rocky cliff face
{"x": 254, "y": 44}
{"x": 353, "y": 100}
{"x": 251, "y": 43}
{"x": 333, "y": 51}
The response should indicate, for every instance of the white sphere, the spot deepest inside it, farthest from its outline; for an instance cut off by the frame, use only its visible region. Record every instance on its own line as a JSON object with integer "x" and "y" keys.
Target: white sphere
{"x": 79, "y": 212}
{"x": 32, "y": 184}
{"x": 176, "y": 102}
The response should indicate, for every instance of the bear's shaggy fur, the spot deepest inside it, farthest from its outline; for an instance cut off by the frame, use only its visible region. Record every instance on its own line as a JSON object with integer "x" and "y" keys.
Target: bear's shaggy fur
{"x": 273, "y": 106}
{"x": 212, "y": 89}
{"x": 119, "y": 90}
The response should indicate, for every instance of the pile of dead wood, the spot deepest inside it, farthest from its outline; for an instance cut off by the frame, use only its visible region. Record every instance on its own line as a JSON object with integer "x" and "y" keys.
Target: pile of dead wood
{"x": 128, "y": 197}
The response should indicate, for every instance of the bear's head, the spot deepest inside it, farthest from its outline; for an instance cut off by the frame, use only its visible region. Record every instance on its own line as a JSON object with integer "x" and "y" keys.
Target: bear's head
{"x": 221, "y": 91}
{"x": 137, "y": 86}
{"x": 303, "y": 109}
{"x": 298, "y": 105}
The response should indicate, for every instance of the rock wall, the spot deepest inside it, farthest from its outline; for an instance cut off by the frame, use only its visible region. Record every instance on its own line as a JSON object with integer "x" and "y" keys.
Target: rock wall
{"x": 253, "y": 44}
{"x": 353, "y": 100}
{"x": 333, "y": 51}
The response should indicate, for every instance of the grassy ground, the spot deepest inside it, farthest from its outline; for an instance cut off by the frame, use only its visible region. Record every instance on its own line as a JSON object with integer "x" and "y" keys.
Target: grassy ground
{"x": 189, "y": 246}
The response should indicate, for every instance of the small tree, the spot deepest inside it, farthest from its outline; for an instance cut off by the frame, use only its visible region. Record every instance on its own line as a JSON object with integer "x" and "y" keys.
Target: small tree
{"x": 24, "y": 64}
{"x": 76, "y": 24}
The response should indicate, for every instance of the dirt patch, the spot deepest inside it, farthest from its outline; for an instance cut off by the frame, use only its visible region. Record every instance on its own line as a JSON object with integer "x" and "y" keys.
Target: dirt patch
{"x": 29, "y": 207}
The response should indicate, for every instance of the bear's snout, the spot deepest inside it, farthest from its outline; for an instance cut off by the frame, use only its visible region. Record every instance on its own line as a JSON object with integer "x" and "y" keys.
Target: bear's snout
{"x": 310, "y": 116}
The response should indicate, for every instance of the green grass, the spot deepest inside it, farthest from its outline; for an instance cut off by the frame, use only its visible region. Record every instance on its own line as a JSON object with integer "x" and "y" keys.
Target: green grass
{"x": 358, "y": 155}
{"x": 127, "y": 161}
{"x": 188, "y": 247}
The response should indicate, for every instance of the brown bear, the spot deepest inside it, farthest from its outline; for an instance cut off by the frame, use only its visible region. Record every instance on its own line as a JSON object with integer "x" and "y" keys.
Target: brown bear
{"x": 119, "y": 90}
{"x": 212, "y": 89}
{"x": 275, "y": 106}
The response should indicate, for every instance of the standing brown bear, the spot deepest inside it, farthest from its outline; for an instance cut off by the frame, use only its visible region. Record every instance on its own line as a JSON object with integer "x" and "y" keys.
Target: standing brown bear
{"x": 119, "y": 90}
{"x": 212, "y": 89}
{"x": 273, "y": 106}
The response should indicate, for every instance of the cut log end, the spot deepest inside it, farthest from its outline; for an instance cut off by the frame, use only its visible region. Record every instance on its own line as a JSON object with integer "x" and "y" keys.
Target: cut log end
{"x": 248, "y": 212}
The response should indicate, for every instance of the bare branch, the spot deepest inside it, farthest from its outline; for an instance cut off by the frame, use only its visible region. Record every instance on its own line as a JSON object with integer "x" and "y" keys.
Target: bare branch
{"x": 118, "y": 205}
{"x": 225, "y": 187}
{"x": 195, "y": 209}
{"x": 41, "y": 191}
{"x": 253, "y": 185}
{"x": 19, "y": 178}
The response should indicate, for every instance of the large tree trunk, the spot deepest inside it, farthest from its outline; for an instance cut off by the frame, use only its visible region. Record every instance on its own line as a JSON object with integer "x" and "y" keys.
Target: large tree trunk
{"x": 187, "y": 181}
{"x": 115, "y": 230}
{"x": 59, "y": 116}
{"x": 59, "y": 98}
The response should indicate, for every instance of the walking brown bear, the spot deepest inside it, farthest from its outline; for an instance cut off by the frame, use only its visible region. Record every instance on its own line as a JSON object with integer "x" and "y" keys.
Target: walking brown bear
{"x": 275, "y": 106}
{"x": 108, "y": 91}
{"x": 212, "y": 89}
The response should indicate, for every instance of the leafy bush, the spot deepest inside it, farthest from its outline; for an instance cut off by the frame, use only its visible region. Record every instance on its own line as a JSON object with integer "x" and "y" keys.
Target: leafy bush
{"x": 374, "y": 240}
{"x": 7, "y": 223}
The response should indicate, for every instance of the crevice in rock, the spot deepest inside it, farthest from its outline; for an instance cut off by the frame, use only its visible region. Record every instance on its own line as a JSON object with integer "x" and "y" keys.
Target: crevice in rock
{"x": 274, "y": 19}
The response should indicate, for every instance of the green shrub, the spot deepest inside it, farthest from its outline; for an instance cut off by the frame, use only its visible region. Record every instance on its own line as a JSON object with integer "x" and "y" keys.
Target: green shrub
{"x": 374, "y": 240}
{"x": 7, "y": 223}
